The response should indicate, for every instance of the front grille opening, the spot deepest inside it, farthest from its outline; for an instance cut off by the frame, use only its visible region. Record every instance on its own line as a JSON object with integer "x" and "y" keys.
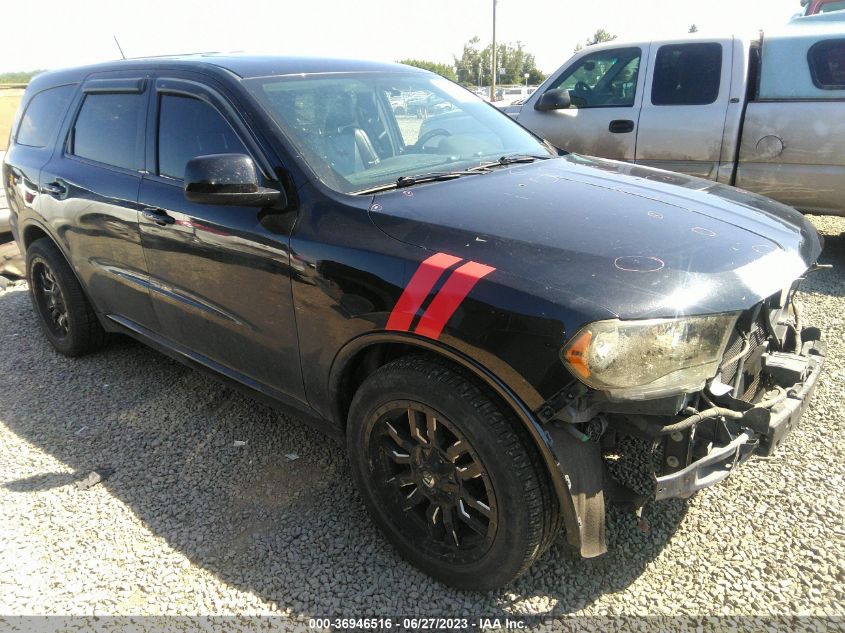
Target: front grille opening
{"x": 745, "y": 374}
{"x": 631, "y": 462}
{"x": 756, "y": 337}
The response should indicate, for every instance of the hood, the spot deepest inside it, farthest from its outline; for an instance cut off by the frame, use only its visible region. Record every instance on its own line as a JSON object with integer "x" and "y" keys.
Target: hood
{"x": 638, "y": 242}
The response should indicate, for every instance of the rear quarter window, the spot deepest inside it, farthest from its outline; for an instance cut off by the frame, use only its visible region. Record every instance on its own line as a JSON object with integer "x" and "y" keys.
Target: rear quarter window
{"x": 109, "y": 129}
{"x": 43, "y": 115}
{"x": 827, "y": 64}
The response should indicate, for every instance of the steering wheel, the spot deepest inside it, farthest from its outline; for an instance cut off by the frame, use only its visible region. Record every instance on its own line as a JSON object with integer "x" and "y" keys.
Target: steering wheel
{"x": 583, "y": 89}
{"x": 425, "y": 138}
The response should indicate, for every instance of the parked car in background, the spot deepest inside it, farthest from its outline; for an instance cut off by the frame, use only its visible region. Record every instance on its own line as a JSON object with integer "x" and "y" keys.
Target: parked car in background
{"x": 767, "y": 115}
{"x": 5, "y": 216}
{"x": 483, "y": 321}
{"x": 813, "y": 7}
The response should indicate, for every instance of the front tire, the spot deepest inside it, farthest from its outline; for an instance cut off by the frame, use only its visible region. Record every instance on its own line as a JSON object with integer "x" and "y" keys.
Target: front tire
{"x": 448, "y": 474}
{"x": 65, "y": 315}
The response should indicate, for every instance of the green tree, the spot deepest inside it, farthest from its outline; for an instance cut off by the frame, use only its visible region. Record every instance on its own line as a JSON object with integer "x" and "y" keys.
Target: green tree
{"x": 601, "y": 35}
{"x": 693, "y": 29}
{"x": 473, "y": 66}
{"x": 444, "y": 70}
{"x": 19, "y": 77}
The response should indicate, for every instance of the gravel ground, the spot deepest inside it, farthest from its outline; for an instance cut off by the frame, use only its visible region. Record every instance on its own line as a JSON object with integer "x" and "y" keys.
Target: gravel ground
{"x": 193, "y": 522}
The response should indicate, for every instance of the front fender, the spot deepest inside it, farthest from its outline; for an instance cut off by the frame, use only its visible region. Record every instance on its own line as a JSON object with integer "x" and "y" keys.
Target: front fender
{"x": 575, "y": 468}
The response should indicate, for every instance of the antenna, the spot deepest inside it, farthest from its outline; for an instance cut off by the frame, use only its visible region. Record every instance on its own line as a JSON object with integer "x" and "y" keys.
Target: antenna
{"x": 122, "y": 56}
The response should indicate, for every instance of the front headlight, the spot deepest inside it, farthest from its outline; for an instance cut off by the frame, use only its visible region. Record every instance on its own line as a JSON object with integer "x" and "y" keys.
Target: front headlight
{"x": 638, "y": 360}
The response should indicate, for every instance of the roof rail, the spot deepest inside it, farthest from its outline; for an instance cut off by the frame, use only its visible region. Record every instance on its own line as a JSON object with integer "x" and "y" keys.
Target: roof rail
{"x": 165, "y": 55}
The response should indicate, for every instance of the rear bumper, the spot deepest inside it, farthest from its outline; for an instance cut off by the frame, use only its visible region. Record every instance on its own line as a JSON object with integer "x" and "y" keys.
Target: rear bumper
{"x": 720, "y": 461}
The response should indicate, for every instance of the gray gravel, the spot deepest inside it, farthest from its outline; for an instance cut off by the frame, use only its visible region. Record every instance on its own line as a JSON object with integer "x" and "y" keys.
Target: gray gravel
{"x": 190, "y": 523}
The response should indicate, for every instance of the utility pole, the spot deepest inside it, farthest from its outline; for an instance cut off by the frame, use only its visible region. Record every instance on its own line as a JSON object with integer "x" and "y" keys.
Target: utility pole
{"x": 495, "y": 61}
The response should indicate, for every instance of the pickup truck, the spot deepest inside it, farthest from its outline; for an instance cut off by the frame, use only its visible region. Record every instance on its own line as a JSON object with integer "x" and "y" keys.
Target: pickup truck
{"x": 814, "y": 7}
{"x": 766, "y": 114}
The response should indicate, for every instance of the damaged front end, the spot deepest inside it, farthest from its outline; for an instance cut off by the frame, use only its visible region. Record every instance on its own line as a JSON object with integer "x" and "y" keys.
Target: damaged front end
{"x": 674, "y": 445}
{"x": 771, "y": 367}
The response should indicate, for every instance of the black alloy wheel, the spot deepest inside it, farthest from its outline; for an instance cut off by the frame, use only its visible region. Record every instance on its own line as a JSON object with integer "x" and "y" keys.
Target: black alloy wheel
{"x": 66, "y": 316}
{"x": 448, "y": 474}
{"x": 49, "y": 299}
{"x": 427, "y": 472}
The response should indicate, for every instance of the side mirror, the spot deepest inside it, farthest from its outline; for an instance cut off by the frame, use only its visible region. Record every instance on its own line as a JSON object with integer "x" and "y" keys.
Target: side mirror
{"x": 557, "y": 99}
{"x": 228, "y": 179}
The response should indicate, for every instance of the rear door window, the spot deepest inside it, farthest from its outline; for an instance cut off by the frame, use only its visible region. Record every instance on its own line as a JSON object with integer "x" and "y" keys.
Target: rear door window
{"x": 827, "y": 64}
{"x": 188, "y": 128}
{"x": 602, "y": 79}
{"x": 43, "y": 116}
{"x": 109, "y": 129}
{"x": 687, "y": 74}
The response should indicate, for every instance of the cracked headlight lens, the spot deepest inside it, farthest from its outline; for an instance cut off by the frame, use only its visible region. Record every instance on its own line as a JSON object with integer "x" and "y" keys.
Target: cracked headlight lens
{"x": 638, "y": 360}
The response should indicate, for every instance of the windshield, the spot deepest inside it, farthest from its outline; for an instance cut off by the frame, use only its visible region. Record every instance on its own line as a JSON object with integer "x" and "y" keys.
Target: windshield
{"x": 364, "y": 130}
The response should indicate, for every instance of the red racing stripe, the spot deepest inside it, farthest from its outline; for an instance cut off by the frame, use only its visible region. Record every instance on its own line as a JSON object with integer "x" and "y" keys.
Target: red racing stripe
{"x": 417, "y": 290}
{"x": 453, "y": 292}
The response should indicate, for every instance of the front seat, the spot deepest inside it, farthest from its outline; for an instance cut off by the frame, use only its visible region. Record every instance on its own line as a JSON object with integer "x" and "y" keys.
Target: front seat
{"x": 348, "y": 147}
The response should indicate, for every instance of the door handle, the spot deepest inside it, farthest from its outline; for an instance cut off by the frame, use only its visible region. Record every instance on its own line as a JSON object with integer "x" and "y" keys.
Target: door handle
{"x": 159, "y": 216}
{"x": 54, "y": 189}
{"x": 621, "y": 126}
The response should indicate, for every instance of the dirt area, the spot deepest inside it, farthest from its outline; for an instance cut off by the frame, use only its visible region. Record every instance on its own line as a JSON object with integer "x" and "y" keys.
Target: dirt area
{"x": 9, "y": 100}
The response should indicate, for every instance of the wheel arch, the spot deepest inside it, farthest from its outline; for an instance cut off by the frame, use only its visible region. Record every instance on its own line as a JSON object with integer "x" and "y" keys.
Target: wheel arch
{"x": 34, "y": 230}
{"x": 363, "y": 355}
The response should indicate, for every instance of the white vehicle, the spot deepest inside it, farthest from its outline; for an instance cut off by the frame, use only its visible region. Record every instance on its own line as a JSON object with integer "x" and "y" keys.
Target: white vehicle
{"x": 5, "y": 227}
{"x": 766, "y": 114}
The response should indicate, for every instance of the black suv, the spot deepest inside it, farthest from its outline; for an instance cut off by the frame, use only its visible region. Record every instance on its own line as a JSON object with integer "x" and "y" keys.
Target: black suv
{"x": 485, "y": 320}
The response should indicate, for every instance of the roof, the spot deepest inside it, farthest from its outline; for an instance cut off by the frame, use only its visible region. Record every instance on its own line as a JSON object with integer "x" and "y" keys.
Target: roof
{"x": 260, "y": 66}
{"x": 238, "y": 65}
{"x": 819, "y": 18}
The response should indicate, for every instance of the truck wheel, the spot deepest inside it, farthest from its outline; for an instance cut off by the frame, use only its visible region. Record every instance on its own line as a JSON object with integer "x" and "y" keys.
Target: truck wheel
{"x": 448, "y": 475}
{"x": 66, "y": 316}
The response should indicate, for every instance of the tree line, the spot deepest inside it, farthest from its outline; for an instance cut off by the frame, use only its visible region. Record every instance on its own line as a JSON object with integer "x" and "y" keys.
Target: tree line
{"x": 19, "y": 77}
{"x": 474, "y": 66}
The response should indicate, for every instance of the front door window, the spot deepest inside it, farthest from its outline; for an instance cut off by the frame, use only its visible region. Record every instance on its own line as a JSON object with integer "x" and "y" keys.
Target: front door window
{"x": 603, "y": 79}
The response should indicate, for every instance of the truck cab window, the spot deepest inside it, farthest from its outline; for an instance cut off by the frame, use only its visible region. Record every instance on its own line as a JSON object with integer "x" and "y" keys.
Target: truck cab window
{"x": 829, "y": 7}
{"x": 603, "y": 79}
{"x": 188, "y": 128}
{"x": 827, "y": 64}
{"x": 687, "y": 74}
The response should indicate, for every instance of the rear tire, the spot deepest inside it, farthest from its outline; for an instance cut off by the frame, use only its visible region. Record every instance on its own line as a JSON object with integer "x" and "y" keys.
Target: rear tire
{"x": 449, "y": 475}
{"x": 65, "y": 314}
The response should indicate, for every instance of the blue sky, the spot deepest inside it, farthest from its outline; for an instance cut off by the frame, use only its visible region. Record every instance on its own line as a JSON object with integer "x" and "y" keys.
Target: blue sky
{"x": 65, "y": 33}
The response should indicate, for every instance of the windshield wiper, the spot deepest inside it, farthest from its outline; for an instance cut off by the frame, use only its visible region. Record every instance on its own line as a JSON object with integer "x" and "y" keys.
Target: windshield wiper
{"x": 410, "y": 181}
{"x": 510, "y": 160}
{"x": 483, "y": 168}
